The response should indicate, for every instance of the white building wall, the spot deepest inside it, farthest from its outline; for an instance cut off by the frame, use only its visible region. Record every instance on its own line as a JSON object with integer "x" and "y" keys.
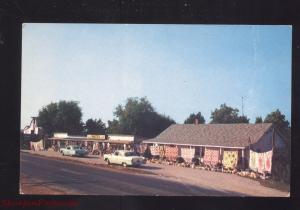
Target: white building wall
{"x": 120, "y": 138}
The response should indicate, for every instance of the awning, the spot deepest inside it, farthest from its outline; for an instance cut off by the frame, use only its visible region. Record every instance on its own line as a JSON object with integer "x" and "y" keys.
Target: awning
{"x": 96, "y": 140}
{"x": 76, "y": 139}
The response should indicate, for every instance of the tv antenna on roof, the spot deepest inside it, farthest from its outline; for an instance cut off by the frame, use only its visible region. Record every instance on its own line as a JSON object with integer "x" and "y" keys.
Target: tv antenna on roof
{"x": 243, "y": 105}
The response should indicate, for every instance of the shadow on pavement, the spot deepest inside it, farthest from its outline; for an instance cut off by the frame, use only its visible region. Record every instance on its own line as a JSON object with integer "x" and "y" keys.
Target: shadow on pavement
{"x": 149, "y": 167}
{"x": 92, "y": 157}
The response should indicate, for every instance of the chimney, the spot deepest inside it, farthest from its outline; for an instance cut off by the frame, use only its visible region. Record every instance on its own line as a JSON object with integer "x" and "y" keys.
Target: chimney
{"x": 196, "y": 121}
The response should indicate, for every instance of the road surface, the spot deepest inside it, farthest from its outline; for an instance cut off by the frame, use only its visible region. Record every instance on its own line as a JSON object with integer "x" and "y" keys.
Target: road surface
{"x": 40, "y": 175}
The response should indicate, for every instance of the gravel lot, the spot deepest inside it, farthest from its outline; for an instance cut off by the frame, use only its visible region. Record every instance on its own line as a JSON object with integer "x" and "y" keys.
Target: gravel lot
{"x": 216, "y": 180}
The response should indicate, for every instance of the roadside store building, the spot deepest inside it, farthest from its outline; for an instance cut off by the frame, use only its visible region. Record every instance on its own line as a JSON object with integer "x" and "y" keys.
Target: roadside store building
{"x": 94, "y": 143}
{"x": 232, "y": 145}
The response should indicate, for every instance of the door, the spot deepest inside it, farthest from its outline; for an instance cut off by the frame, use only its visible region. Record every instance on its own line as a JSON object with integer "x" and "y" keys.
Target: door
{"x": 68, "y": 151}
{"x": 117, "y": 158}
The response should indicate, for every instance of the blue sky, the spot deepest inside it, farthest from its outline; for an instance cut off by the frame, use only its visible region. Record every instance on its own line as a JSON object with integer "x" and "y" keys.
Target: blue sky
{"x": 180, "y": 68}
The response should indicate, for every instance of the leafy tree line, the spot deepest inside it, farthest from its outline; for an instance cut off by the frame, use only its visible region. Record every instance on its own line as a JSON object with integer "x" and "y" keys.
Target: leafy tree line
{"x": 136, "y": 117}
{"x": 223, "y": 115}
{"x": 227, "y": 115}
{"x": 192, "y": 118}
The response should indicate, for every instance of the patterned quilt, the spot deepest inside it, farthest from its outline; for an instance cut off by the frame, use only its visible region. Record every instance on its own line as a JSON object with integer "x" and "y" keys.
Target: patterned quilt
{"x": 211, "y": 156}
{"x": 154, "y": 150}
{"x": 161, "y": 151}
{"x": 37, "y": 146}
{"x": 187, "y": 154}
{"x": 171, "y": 153}
{"x": 230, "y": 159}
{"x": 261, "y": 162}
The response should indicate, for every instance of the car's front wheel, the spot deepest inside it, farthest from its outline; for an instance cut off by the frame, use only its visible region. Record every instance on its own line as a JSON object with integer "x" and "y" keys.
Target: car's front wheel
{"x": 124, "y": 165}
{"x": 96, "y": 152}
{"x": 63, "y": 153}
{"x": 108, "y": 162}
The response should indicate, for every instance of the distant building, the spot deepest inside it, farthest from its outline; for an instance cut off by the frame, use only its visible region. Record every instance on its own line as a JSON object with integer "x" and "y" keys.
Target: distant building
{"x": 93, "y": 143}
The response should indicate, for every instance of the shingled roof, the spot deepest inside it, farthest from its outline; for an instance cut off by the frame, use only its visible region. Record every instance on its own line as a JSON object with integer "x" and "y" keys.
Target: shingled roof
{"x": 226, "y": 135}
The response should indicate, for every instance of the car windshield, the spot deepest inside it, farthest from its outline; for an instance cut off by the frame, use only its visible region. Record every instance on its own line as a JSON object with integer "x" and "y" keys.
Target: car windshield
{"x": 130, "y": 154}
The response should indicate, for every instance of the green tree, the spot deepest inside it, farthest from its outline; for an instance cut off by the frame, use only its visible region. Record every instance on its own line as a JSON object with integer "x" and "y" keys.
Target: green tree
{"x": 242, "y": 119}
{"x": 226, "y": 114}
{"x": 93, "y": 126}
{"x": 278, "y": 119}
{"x": 138, "y": 117}
{"x": 258, "y": 120}
{"x": 191, "y": 119}
{"x": 113, "y": 127}
{"x": 64, "y": 116}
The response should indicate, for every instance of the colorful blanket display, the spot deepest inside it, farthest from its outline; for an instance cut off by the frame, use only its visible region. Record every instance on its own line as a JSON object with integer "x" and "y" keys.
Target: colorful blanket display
{"x": 171, "y": 153}
{"x": 261, "y": 162}
{"x": 154, "y": 150}
{"x": 96, "y": 146}
{"x": 211, "y": 156}
{"x": 188, "y": 154}
{"x": 37, "y": 146}
{"x": 161, "y": 151}
{"x": 230, "y": 159}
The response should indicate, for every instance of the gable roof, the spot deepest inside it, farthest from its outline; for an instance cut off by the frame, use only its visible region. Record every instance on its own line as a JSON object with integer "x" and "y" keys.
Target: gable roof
{"x": 225, "y": 135}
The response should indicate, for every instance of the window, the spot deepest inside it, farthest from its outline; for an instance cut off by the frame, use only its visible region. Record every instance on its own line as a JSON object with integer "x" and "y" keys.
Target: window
{"x": 130, "y": 154}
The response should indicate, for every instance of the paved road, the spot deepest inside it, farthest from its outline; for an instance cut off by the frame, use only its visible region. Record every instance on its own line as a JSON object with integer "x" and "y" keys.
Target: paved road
{"x": 74, "y": 178}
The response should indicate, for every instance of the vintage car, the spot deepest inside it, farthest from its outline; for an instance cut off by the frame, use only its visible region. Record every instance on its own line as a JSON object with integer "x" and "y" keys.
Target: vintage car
{"x": 73, "y": 151}
{"x": 125, "y": 158}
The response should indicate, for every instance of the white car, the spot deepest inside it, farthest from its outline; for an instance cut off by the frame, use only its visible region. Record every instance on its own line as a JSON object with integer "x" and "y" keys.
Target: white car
{"x": 73, "y": 151}
{"x": 125, "y": 158}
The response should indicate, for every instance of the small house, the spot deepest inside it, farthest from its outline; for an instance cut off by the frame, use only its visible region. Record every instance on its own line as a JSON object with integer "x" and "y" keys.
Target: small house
{"x": 232, "y": 145}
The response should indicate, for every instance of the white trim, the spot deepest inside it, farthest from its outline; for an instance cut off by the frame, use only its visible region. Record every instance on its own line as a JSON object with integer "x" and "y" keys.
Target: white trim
{"x": 194, "y": 145}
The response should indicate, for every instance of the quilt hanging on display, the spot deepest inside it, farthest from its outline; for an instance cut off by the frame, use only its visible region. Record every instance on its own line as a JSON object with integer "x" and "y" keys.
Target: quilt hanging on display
{"x": 154, "y": 150}
{"x": 261, "y": 161}
{"x": 211, "y": 156}
{"x": 96, "y": 146}
{"x": 171, "y": 153}
{"x": 230, "y": 159}
{"x": 37, "y": 146}
{"x": 188, "y": 154}
{"x": 161, "y": 151}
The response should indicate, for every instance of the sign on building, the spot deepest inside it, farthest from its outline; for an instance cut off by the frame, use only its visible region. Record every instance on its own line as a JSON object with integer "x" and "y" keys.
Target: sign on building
{"x": 95, "y": 136}
{"x": 61, "y": 135}
{"x": 121, "y": 138}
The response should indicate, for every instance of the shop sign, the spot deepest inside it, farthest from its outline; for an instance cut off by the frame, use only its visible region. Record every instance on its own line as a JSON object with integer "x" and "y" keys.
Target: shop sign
{"x": 61, "y": 135}
{"x": 96, "y": 136}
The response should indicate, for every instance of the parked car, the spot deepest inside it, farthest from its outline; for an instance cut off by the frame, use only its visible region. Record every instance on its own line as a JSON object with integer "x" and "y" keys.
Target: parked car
{"x": 73, "y": 151}
{"x": 125, "y": 158}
